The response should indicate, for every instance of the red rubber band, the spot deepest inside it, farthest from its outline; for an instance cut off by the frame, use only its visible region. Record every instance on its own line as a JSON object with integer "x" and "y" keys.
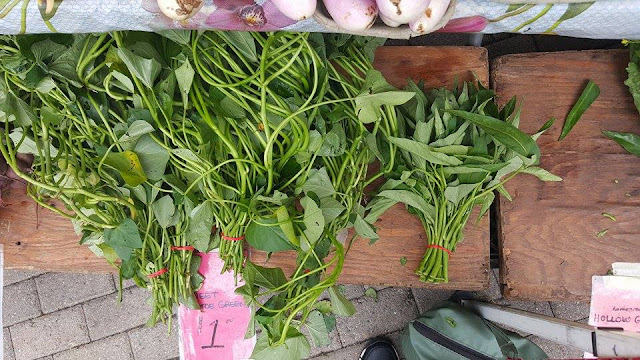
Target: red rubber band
{"x": 186, "y": 248}
{"x": 231, "y": 238}
{"x": 158, "y": 273}
{"x": 434, "y": 246}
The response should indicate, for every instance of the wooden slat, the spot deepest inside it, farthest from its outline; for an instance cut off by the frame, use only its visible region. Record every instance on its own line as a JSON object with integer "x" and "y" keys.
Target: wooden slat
{"x": 549, "y": 247}
{"x": 35, "y": 238}
{"x": 49, "y": 243}
{"x": 402, "y": 234}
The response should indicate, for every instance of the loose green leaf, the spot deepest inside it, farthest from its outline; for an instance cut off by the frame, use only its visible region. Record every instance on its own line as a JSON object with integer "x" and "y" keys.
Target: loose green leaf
{"x": 163, "y": 209}
{"x": 341, "y": 306}
{"x": 375, "y": 93}
{"x": 633, "y": 81}
{"x": 267, "y": 234}
{"x": 505, "y": 133}
{"x": 317, "y": 329}
{"x": 243, "y": 42}
{"x": 588, "y": 96}
{"x": 295, "y": 347}
{"x": 456, "y": 193}
{"x": 425, "y": 151}
{"x": 153, "y": 157}
{"x": 602, "y": 233}
{"x": 313, "y": 221}
{"x": 318, "y": 183}
{"x": 24, "y": 115}
{"x": 365, "y": 230}
{"x": 184, "y": 76}
{"x": 403, "y": 261}
{"x": 286, "y": 225}
{"x": 146, "y": 70}
{"x": 541, "y": 174}
{"x": 200, "y": 224}
{"x": 630, "y": 142}
{"x": 372, "y": 293}
{"x": 268, "y": 278}
{"x": 609, "y": 216}
{"x": 123, "y": 239}
{"x": 411, "y": 199}
{"x": 128, "y": 166}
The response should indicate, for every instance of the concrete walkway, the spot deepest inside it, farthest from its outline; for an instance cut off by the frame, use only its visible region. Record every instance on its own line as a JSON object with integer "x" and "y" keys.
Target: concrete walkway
{"x": 55, "y": 316}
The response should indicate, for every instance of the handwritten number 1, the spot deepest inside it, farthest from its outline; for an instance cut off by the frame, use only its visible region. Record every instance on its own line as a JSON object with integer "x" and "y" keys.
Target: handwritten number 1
{"x": 213, "y": 337}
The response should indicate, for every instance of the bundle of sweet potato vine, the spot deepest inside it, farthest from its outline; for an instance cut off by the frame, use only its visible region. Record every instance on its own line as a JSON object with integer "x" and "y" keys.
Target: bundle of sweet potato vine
{"x": 160, "y": 145}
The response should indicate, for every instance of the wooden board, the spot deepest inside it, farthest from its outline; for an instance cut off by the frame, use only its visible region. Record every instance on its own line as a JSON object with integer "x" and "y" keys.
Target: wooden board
{"x": 36, "y": 238}
{"x": 402, "y": 234}
{"x": 549, "y": 247}
{"x": 49, "y": 243}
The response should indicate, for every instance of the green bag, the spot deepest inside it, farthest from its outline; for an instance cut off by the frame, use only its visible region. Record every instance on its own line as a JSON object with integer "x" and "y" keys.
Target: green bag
{"x": 450, "y": 331}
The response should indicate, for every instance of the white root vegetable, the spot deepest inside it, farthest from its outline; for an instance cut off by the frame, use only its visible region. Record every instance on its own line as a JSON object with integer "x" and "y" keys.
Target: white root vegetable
{"x": 402, "y": 11}
{"x": 296, "y": 9}
{"x": 388, "y": 21}
{"x": 352, "y": 15}
{"x": 430, "y": 17}
{"x": 180, "y": 9}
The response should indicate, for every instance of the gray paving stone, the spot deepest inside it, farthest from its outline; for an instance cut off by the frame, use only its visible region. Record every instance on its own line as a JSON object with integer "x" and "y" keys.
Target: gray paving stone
{"x": 353, "y": 291}
{"x": 154, "y": 343}
{"x": 14, "y": 276}
{"x": 106, "y": 317}
{"x": 427, "y": 298}
{"x": 112, "y": 348}
{"x": 60, "y": 290}
{"x": 49, "y": 334}
{"x": 46, "y": 358}
{"x": 572, "y": 310}
{"x": 7, "y": 346}
{"x": 347, "y": 353}
{"x": 335, "y": 343}
{"x": 555, "y": 350}
{"x": 394, "y": 308}
{"x": 396, "y": 340}
{"x": 20, "y": 302}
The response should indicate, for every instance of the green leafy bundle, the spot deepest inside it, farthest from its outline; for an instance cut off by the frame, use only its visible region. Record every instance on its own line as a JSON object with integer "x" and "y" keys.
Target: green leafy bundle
{"x": 455, "y": 148}
{"x": 327, "y": 200}
{"x": 629, "y": 141}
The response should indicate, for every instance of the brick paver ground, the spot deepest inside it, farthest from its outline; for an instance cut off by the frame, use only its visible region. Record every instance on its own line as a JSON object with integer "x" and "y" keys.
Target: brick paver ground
{"x": 89, "y": 324}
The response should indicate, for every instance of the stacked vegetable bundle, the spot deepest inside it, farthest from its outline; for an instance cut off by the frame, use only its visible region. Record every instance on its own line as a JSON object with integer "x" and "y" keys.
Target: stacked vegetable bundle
{"x": 456, "y": 147}
{"x": 157, "y": 146}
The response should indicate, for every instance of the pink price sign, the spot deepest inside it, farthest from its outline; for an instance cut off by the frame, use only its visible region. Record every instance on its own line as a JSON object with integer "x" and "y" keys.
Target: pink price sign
{"x": 217, "y": 330}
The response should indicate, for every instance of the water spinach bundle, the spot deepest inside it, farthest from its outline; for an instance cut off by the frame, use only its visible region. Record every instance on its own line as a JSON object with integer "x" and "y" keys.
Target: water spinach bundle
{"x": 456, "y": 147}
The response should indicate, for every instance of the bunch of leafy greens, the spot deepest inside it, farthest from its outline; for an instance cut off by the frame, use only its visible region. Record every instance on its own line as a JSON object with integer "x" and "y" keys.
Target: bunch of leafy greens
{"x": 629, "y": 141}
{"x": 455, "y": 148}
{"x": 151, "y": 141}
{"x": 327, "y": 200}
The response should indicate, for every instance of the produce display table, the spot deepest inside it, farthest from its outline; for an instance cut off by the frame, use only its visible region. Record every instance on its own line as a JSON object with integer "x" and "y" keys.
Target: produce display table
{"x": 552, "y": 236}
{"x": 38, "y": 239}
{"x": 605, "y": 19}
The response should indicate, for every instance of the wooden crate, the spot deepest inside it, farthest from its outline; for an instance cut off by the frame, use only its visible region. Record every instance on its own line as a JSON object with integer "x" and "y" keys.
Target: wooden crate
{"x": 43, "y": 241}
{"x": 547, "y": 236}
{"x": 402, "y": 234}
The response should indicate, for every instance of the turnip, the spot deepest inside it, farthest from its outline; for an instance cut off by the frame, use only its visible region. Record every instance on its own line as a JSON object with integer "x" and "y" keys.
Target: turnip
{"x": 388, "y": 21}
{"x": 352, "y": 15}
{"x": 180, "y": 9}
{"x": 430, "y": 17}
{"x": 401, "y": 11}
{"x": 296, "y": 10}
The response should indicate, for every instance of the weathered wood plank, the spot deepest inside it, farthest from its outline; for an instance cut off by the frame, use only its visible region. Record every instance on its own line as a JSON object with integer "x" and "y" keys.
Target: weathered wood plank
{"x": 549, "y": 247}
